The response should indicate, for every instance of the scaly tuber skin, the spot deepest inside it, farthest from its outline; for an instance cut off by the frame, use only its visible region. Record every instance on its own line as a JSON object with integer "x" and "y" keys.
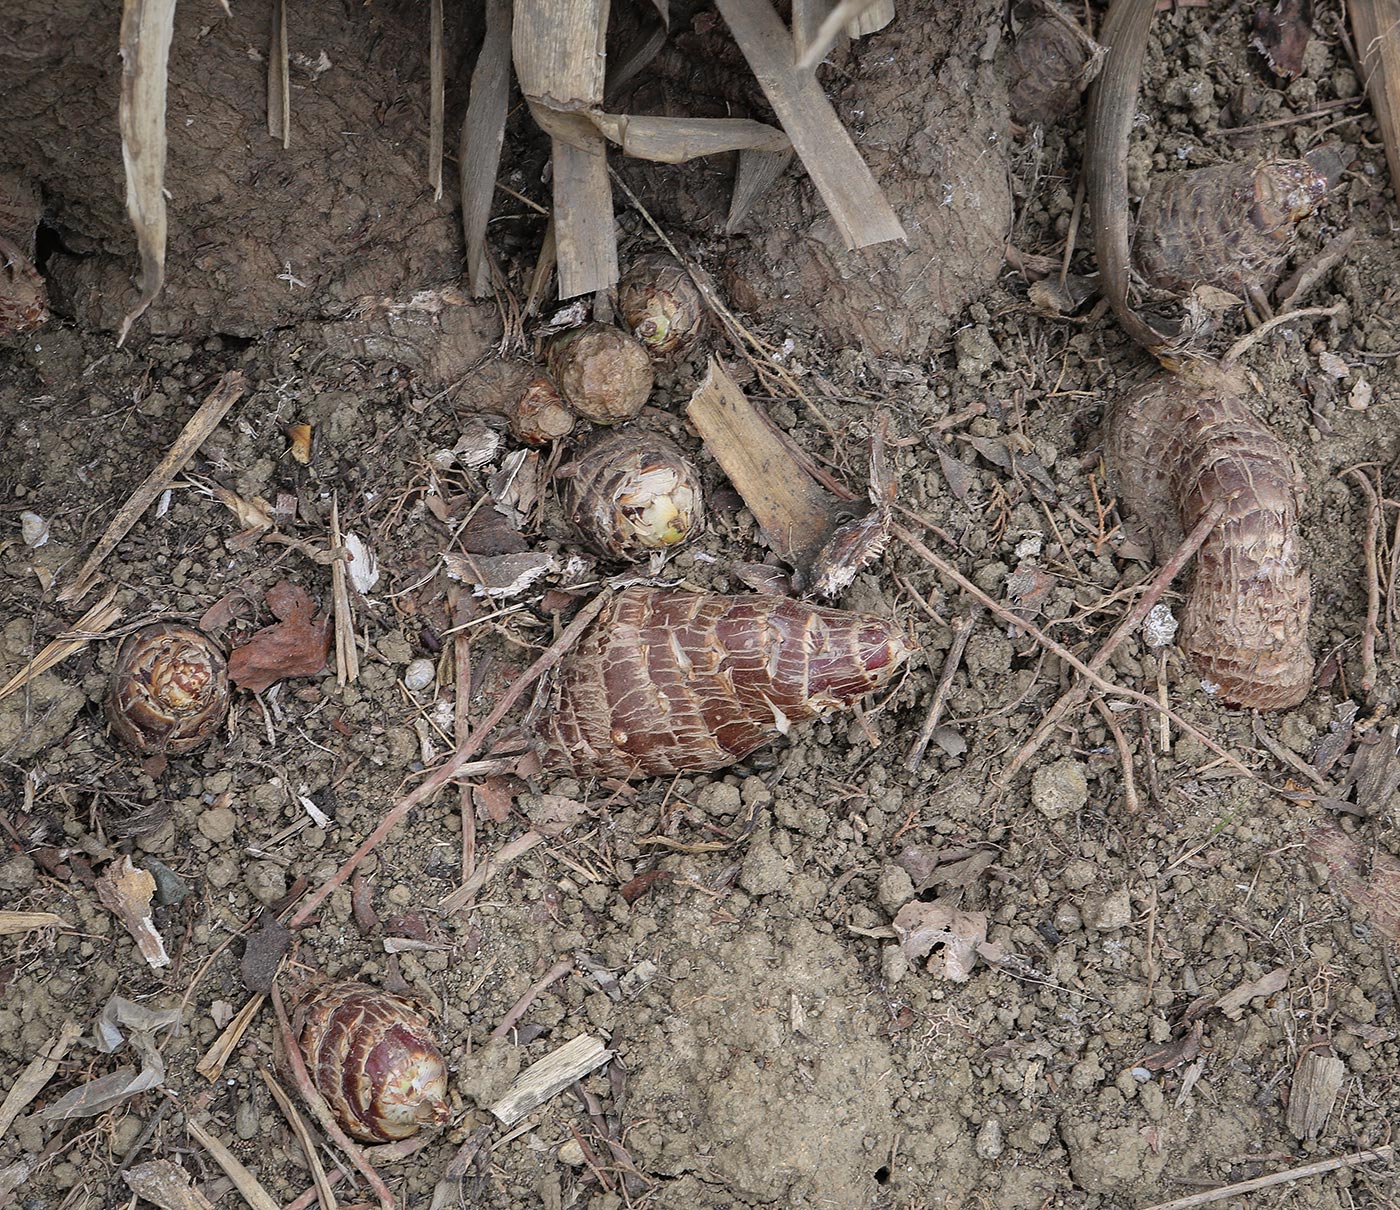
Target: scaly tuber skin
{"x": 633, "y": 494}
{"x": 602, "y": 372}
{"x": 1045, "y": 72}
{"x": 540, "y": 415}
{"x": 371, "y": 1054}
{"x": 660, "y": 305}
{"x": 169, "y": 690}
{"x": 1230, "y": 226}
{"x": 1173, "y": 448}
{"x": 673, "y": 681}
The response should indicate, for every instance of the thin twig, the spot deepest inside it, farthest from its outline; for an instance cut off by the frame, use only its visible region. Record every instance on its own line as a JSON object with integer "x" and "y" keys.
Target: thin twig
{"x": 962, "y": 631}
{"x": 1125, "y": 754}
{"x": 1237, "y": 350}
{"x": 1288, "y": 1175}
{"x": 943, "y": 567}
{"x": 464, "y": 609}
{"x": 308, "y": 1144}
{"x": 296, "y": 1067}
{"x": 1131, "y": 621}
{"x": 1373, "y": 579}
{"x": 466, "y": 749}
{"x": 522, "y": 1006}
{"x": 347, "y": 654}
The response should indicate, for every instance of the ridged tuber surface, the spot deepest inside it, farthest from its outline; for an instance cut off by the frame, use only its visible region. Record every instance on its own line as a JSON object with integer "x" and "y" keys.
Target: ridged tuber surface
{"x": 168, "y": 691}
{"x": 1045, "y": 72}
{"x": 372, "y": 1055}
{"x": 1173, "y": 448}
{"x": 660, "y": 305}
{"x": 668, "y": 680}
{"x": 1229, "y": 226}
{"x": 603, "y": 373}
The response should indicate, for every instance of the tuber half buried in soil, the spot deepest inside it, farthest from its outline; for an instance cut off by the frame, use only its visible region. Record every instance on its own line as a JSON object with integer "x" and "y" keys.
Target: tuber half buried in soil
{"x": 674, "y": 681}
{"x": 1173, "y": 448}
{"x": 1230, "y": 226}
{"x": 603, "y": 373}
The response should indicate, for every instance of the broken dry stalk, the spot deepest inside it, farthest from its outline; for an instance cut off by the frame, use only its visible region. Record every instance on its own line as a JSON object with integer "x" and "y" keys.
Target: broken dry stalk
{"x": 962, "y": 631}
{"x": 347, "y": 654}
{"x": 308, "y": 1144}
{"x": 1125, "y": 754}
{"x": 211, "y": 1065}
{"x": 1376, "y": 24}
{"x": 484, "y": 871}
{"x": 1373, "y": 581}
{"x": 1381, "y": 1155}
{"x": 31, "y": 1081}
{"x": 1131, "y": 621}
{"x": 248, "y": 1186}
{"x": 482, "y": 136}
{"x": 279, "y": 92}
{"x": 466, "y": 749}
{"x": 858, "y": 207}
{"x": 206, "y": 419}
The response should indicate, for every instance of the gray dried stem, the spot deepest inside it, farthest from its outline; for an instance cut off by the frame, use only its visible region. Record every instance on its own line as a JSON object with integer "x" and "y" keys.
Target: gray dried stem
{"x": 1370, "y": 551}
{"x": 308, "y": 1144}
{"x": 1377, "y": 27}
{"x": 482, "y": 136}
{"x": 279, "y": 91}
{"x": 248, "y": 1186}
{"x": 962, "y": 631}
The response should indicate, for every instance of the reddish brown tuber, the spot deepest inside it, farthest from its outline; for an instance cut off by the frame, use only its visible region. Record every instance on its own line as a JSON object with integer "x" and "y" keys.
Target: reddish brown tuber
{"x": 1175, "y": 447}
{"x": 372, "y": 1055}
{"x": 633, "y": 493}
{"x": 673, "y": 681}
{"x": 603, "y": 374}
{"x": 169, "y": 690}
{"x": 1230, "y": 226}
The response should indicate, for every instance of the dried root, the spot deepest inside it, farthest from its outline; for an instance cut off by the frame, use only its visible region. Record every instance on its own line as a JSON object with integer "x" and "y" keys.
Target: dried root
{"x": 669, "y": 681}
{"x": 1175, "y": 447}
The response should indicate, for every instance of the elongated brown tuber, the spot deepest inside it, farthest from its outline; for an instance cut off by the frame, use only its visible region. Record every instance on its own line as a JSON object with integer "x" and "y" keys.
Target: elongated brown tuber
{"x": 1173, "y": 448}
{"x": 1230, "y": 226}
{"x": 671, "y": 681}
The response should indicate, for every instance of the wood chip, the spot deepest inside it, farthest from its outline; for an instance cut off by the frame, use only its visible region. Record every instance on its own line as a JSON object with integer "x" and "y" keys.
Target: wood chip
{"x": 795, "y": 513}
{"x": 279, "y": 93}
{"x": 147, "y": 26}
{"x": 1233, "y": 1003}
{"x": 862, "y": 214}
{"x": 166, "y": 1185}
{"x": 227, "y": 392}
{"x": 23, "y": 922}
{"x": 1316, "y": 1084}
{"x": 555, "y": 1072}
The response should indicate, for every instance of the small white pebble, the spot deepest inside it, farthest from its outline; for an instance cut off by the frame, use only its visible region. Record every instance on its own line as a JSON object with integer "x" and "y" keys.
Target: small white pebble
{"x": 419, "y": 675}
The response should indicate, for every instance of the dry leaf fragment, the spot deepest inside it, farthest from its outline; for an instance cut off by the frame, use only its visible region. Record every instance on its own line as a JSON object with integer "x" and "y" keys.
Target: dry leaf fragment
{"x": 297, "y": 645}
{"x": 263, "y": 954}
{"x": 299, "y": 443}
{"x": 500, "y": 576}
{"x": 952, "y": 938}
{"x": 126, "y": 892}
{"x": 99, "y": 1095}
{"x": 1233, "y": 1003}
{"x": 1176, "y": 1052}
{"x": 1370, "y": 879}
{"x": 166, "y": 1185}
{"x": 1281, "y": 35}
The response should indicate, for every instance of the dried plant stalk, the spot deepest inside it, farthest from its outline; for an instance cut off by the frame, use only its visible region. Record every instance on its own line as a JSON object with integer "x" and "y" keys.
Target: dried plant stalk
{"x": 1376, "y": 24}
{"x": 1176, "y": 447}
{"x": 669, "y": 680}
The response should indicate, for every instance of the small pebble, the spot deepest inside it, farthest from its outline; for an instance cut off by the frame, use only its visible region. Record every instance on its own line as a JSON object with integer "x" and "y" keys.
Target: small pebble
{"x": 218, "y": 824}
{"x": 170, "y": 887}
{"x": 989, "y": 1140}
{"x": 571, "y": 1153}
{"x": 1108, "y": 912}
{"x": 419, "y": 675}
{"x": 17, "y": 873}
{"x": 267, "y": 881}
{"x": 1060, "y": 788}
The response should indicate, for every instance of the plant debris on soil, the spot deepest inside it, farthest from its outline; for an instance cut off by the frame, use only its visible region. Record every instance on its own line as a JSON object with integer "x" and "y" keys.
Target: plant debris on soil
{"x": 903, "y": 956}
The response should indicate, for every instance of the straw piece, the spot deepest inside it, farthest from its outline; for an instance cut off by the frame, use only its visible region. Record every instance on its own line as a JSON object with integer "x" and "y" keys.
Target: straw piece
{"x": 225, "y": 394}
{"x": 98, "y": 619}
{"x": 483, "y": 133}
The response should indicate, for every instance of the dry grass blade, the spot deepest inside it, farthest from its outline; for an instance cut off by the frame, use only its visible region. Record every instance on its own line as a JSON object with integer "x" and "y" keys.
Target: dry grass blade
{"x": 225, "y": 394}
{"x": 347, "y": 654}
{"x": 211, "y": 1065}
{"x": 308, "y": 1144}
{"x": 99, "y": 618}
{"x": 875, "y": 16}
{"x": 1380, "y": 1155}
{"x": 483, "y": 133}
{"x": 756, "y": 172}
{"x": 31, "y": 1081}
{"x": 279, "y": 92}
{"x": 862, "y": 214}
{"x": 24, "y": 922}
{"x": 1376, "y": 24}
{"x": 1108, "y": 124}
{"x": 435, "y": 99}
{"x": 249, "y": 1187}
{"x": 147, "y": 26}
